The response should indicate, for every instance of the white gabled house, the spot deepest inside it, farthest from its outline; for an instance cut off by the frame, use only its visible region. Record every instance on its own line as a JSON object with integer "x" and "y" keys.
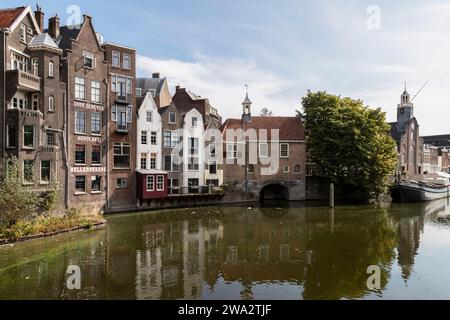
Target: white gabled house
{"x": 152, "y": 181}
{"x": 193, "y": 151}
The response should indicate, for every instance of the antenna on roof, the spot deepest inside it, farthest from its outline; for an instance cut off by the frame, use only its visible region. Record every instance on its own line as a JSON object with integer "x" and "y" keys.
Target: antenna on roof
{"x": 420, "y": 90}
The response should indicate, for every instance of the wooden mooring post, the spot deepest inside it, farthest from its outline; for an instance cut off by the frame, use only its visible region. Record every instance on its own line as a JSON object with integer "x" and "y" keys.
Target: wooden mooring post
{"x": 332, "y": 195}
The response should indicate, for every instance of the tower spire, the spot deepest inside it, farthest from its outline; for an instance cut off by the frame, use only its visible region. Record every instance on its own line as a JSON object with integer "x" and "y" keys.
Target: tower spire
{"x": 247, "y": 105}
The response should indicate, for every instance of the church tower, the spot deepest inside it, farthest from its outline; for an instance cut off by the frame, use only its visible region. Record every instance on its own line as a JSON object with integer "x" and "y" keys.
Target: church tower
{"x": 247, "y": 108}
{"x": 405, "y": 110}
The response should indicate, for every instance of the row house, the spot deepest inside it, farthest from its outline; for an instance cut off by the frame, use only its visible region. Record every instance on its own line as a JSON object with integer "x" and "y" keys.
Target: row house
{"x": 121, "y": 127}
{"x": 68, "y": 109}
{"x": 157, "y": 86}
{"x": 32, "y": 98}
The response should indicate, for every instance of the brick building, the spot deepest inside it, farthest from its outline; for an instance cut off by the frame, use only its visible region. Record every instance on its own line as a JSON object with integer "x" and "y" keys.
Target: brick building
{"x": 158, "y": 87}
{"x": 121, "y": 127}
{"x": 268, "y": 158}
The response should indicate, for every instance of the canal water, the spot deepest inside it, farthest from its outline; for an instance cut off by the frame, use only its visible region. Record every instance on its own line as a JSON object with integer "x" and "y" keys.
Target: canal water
{"x": 242, "y": 253}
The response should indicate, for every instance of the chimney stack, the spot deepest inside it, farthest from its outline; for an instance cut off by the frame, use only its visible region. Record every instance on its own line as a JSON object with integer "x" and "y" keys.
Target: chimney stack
{"x": 156, "y": 75}
{"x": 39, "y": 15}
{"x": 53, "y": 26}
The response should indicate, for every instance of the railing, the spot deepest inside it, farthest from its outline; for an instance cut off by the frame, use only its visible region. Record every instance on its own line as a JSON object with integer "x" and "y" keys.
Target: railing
{"x": 124, "y": 98}
{"x": 24, "y": 79}
{"x": 191, "y": 190}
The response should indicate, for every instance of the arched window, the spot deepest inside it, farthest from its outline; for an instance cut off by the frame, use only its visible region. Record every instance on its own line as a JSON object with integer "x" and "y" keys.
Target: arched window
{"x": 51, "y": 104}
{"x": 412, "y": 156}
{"x": 297, "y": 169}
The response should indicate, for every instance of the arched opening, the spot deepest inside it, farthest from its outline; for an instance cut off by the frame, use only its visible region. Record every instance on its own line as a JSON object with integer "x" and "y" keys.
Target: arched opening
{"x": 274, "y": 192}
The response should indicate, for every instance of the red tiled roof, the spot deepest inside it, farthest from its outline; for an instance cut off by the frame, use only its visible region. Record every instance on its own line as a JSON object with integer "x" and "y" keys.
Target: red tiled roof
{"x": 8, "y": 16}
{"x": 290, "y": 127}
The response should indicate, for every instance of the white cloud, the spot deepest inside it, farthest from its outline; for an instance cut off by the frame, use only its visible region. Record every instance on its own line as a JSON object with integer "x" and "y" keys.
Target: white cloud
{"x": 222, "y": 82}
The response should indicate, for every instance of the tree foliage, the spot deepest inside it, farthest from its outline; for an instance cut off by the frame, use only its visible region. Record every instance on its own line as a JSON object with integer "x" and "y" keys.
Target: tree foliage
{"x": 16, "y": 201}
{"x": 265, "y": 112}
{"x": 348, "y": 143}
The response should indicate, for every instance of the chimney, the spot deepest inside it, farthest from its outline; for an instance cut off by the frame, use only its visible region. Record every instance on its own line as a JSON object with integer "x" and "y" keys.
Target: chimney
{"x": 53, "y": 26}
{"x": 156, "y": 75}
{"x": 179, "y": 89}
{"x": 39, "y": 15}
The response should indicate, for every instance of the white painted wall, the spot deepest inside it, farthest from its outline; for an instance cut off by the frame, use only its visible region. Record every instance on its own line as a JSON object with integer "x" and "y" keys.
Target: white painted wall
{"x": 148, "y": 104}
{"x": 193, "y": 132}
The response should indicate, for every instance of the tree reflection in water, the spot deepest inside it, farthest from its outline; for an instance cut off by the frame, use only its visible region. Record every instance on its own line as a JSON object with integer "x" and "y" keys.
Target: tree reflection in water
{"x": 224, "y": 253}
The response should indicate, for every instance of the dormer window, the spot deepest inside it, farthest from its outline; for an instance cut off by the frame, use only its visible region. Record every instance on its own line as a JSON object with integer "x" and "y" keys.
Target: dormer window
{"x": 89, "y": 60}
{"x": 23, "y": 33}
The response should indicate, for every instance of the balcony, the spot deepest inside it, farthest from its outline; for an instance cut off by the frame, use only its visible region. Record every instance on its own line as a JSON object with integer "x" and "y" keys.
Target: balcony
{"x": 123, "y": 127}
{"x": 123, "y": 98}
{"x": 23, "y": 81}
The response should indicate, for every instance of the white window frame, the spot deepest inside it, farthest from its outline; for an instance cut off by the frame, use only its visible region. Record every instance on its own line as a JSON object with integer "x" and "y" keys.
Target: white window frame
{"x": 149, "y": 116}
{"x": 49, "y": 172}
{"x": 129, "y": 61}
{"x": 144, "y": 137}
{"x": 158, "y": 183}
{"x": 96, "y": 91}
{"x": 117, "y": 53}
{"x": 143, "y": 159}
{"x": 76, "y": 129}
{"x": 89, "y": 55}
{"x": 261, "y": 154}
{"x": 51, "y": 69}
{"x": 154, "y": 134}
{"x": 152, "y": 183}
{"x": 34, "y": 137}
{"x": 100, "y": 123}
{"x": 51, "y": 104}
{"x": 80, "y": 88}
{"x": 175, "y": 116}
{"x": 232, "y": 154}
{"x": 23, "y": 32}
{"x": 287, "y": 149}
{"x": 286, "y": 169}
{"x": 153, "y": 160}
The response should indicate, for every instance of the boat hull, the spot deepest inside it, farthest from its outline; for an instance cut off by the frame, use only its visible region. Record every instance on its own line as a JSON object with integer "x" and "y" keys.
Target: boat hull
{"x": 404, "y": 193}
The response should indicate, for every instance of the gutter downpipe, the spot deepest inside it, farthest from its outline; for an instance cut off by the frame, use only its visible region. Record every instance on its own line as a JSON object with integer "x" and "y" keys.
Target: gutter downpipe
{"x": 66, "y": 135}
{"x": 108, "y": 103}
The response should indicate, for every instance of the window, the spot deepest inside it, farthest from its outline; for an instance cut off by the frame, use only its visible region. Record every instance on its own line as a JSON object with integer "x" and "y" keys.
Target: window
{"x": 80, "y": 88}
{"x": 251, "y": 169}
{"x": 172, "y": 117}
{"x": 143, "y": 137}
{"x": 297, "y": 169}
{"x": 160, "y": 183}
{"x": 212, "y": 150}
{"x": 194, "y": 122}
{"x": 19, "y": 62}
{"x": 116, "y": 59}
{"x": 153, "y": 138}
{"x": 23, "y": 33}
{"x": 143, "y": 161}
{"x": 193, "y": 146}
{"x": 173, "y": 185}
{"x": 35, "y": 102}
{"x": 122, "y": 183}
{"x": 113, "y": 83}
{"x": 150, "y": 183}
{"x": 80, "y": 184}
{"x": 138, "y": 92}
{"x": 213, "y": 167}
{"x": 35, "y": 67}
{"x": 284, "y": 150}
{"x": 122, "y": 115}
{"x": 175, "y": 139}
{"x": 51, "y": 139}
{"x": 51, "y": 69}
{"x": 149, "y": 116}
{"x": 153, "y": 157}
{"x": 28, "y": 170}
{"x": 96, "y": 91}
{"x": 28, "y": 136}
{"x": 193, "y": 185}
{"x": 45, "y": 170}
{"x": 96, "y": 155}
{"x": 122, "y": 155}
{"x": 286, "y": 169}
{"x": 193, "y": 164}
{"x": 15, "y": 103}
{"x": 171, "y": 163}
{"x": 96, "y": 182}
{"x": 51, "y": 104}
{"x": 232, "y": 151}
{"x": 126, "y": 61}
{"x": 167, "y": 139}
{"x": 21, "y": 104}
{"x": 11, "y": 140}
{"x": 80, "y": 154}
{"x": 80, "y": 121}
{"x": 89, "y": 60}
{"x": 129, "y": 86}
{"x": 96, "y": 123}
{"x": 263, "y": 150}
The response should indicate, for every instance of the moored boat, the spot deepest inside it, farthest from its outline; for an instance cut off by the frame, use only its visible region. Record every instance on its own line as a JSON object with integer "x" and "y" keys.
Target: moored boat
{"x": 423, "y": 190}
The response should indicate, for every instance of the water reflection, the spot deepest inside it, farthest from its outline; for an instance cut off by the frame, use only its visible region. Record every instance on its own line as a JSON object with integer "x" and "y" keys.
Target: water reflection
{"x": 232, "y": 253}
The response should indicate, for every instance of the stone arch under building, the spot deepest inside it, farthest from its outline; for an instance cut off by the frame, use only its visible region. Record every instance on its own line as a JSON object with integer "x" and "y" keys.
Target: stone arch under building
{"x": 274, "y": 191}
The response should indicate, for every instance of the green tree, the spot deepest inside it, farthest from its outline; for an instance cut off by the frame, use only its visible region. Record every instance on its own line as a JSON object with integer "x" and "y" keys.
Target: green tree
{"x": 265, "y": 112}
{"x": 16, "y": 201}
{"x": 349, "y": 143}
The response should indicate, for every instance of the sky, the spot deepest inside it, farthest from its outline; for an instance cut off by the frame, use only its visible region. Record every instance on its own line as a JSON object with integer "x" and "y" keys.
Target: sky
{"x": 360, "y": 49}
